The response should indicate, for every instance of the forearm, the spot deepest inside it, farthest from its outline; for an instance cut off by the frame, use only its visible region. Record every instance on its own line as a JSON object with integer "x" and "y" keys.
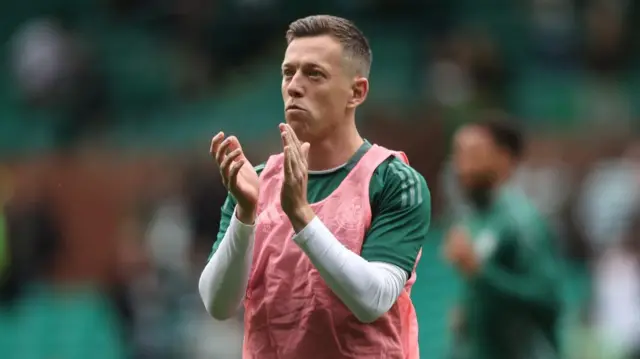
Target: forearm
{"x": 368, "y": 289}
{"x": 223, "y": 281}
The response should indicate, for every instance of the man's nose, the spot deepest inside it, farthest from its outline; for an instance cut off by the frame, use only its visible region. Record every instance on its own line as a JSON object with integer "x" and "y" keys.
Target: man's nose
{"x": 295, "y": 88}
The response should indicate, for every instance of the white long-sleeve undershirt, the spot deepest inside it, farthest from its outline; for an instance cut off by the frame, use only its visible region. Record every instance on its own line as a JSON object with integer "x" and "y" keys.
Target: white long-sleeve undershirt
{"x": 368, "y": 289}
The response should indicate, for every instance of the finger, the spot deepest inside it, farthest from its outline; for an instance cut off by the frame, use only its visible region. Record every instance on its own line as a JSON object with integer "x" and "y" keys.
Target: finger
{"x": 228, "y": 160}
{"x": 215, "y": 143}
{"x": 294, "y": 137}
{"x": 288, "y": 163}
{"x": 223, "y": 149}
{"x": 287, "y": 141}
{"x": 283, "y": 135}
{"x": 234, "y": 143}
{"x": 298, "y": 164}
{"x": 233, "y": 172}
{"x": 290, "y": 141}
{"x": 289, "y": 136}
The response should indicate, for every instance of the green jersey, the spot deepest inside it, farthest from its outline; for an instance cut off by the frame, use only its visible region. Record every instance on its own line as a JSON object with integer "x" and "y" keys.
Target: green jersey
{"x": 511, "y": 306}
{"x": 400, "y": 208}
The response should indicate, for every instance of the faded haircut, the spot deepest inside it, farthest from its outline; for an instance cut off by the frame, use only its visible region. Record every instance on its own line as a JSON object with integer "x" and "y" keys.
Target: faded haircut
{"x": 355, "y": 45}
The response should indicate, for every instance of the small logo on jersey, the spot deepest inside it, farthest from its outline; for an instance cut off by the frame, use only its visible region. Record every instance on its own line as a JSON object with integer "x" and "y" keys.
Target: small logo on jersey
{"x": 485, "y": 244}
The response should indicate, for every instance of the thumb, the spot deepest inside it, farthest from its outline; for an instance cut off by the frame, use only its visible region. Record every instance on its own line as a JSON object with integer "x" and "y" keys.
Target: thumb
{"x": 305, "y": 150}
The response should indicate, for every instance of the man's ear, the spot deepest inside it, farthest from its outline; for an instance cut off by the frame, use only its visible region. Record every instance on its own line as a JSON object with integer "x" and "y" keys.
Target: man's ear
{"x": 359, "y": 92}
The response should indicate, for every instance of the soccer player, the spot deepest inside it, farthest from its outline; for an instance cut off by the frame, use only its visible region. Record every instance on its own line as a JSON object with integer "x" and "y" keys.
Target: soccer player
{"x": 320, "y": 244}
{"x": 504, "y": 252}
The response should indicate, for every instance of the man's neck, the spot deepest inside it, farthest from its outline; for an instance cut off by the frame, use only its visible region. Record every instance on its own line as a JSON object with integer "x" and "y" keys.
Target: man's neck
{"x": 335, "y": 150}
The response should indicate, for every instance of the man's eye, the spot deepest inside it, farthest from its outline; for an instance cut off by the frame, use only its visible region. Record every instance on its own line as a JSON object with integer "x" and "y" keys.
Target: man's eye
{"x": 288, "y": 73}
{"x": 314, "y": 74}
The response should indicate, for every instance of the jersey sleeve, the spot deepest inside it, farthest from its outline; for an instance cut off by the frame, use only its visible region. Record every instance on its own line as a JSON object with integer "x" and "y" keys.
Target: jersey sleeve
{"x": 228, "y": 208}
{"x": 401, "y": 213}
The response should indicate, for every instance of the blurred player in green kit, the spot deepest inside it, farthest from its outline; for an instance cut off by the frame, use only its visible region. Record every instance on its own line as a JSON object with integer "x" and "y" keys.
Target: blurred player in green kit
{"x": 504, "y": 251}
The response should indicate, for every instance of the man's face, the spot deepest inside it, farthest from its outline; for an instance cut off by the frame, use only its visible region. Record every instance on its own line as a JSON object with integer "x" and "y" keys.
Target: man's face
{"x": 477, "y": 160}
{"x": 316, "y": 86}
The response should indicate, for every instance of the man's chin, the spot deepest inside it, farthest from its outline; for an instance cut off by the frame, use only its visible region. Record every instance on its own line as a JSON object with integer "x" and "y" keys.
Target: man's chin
{"x": 294, "y": 116}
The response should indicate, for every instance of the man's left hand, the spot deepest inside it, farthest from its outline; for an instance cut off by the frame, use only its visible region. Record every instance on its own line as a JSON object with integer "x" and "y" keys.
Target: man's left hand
{"x": 293, "y": 196}
{"x": 460, "y": 252}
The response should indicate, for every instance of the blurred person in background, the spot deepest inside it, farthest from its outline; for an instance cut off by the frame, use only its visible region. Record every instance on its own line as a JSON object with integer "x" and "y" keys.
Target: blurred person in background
{"x": 609, "y": 196}
{"x": 616, "y": 309}
{"x": 503, "y": 250}
{"x": 321, "y": 243}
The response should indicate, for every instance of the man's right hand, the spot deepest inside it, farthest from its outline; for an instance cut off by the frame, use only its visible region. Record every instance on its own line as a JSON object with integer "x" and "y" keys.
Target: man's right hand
{"x": 238, "y": 175}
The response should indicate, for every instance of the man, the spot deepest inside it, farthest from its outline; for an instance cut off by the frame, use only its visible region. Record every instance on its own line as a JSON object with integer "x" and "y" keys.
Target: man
{"x": 503, "y": 251}
{"x": 321, "y": 242}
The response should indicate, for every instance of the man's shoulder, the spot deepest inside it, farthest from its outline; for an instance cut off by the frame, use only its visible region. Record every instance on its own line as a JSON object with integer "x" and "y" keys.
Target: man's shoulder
{"x": 396, "y": 180}
{"x": 394, "y": 171}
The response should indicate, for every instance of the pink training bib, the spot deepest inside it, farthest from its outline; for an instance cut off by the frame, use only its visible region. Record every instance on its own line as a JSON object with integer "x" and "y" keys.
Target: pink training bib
{"x": 290, "y": 311}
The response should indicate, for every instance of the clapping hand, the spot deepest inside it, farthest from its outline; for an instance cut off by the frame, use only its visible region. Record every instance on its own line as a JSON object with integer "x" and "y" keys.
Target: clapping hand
{"x": 238, "y": 175}
{"x": 293, "y": 195}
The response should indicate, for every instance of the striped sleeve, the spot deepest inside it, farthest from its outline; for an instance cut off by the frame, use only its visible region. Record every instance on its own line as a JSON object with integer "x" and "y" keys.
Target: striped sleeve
{"x": 401, "y": 208}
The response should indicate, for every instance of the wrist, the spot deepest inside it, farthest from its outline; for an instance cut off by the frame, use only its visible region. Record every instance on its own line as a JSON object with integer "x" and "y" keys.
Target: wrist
{"x": 246, "y": 216}
{"x": 301, "y": 217}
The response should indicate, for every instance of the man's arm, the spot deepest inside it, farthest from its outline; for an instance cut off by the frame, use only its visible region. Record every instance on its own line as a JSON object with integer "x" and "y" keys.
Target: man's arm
{"x": 224, "y": 279}
{"x": 228, "y": 207}
{"x": 370, "y": 284}
{"x": 534, "y": 280}
{"x": 223, "y": 282}
{"x": 401, "y": 216}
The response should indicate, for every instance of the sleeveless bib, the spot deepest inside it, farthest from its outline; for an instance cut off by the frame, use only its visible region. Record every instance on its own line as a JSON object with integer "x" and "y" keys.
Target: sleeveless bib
{"x": 290, "y": 313}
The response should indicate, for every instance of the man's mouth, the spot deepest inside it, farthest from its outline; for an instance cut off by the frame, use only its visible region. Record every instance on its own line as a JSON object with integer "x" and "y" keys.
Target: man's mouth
{"x": 294, "y": 108}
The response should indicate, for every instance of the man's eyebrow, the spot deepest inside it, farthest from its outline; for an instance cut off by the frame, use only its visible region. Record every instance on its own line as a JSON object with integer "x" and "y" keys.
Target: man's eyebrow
{"x": 305, "y": 64}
